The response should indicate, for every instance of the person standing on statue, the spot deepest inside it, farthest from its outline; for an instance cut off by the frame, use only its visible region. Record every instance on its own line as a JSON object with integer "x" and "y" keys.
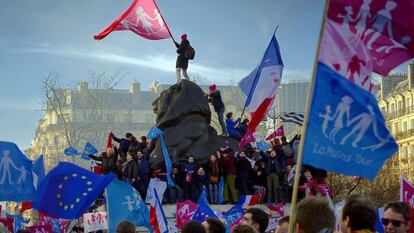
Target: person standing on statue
{"x": 214, "y": 97}
{"x": 182, "y": 61}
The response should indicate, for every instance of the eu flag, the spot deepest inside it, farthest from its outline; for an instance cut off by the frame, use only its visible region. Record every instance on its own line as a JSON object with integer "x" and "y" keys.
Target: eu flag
{"x": 202, "y": 212}
{"x": 68, "y": 190}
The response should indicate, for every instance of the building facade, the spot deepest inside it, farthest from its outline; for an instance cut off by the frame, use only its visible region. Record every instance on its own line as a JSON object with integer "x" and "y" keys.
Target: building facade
{"x": 291, "y": 97}
{"x": 84, "y": 114}
{"x": 396, "y": 98}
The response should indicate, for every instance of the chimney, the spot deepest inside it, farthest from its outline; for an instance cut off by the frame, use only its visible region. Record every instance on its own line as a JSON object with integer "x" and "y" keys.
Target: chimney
{"x": 389, "y": 82}
{"x": 411, "y": 75}
{"x": 135, "y": 87}
{"x": 82, "y": 86}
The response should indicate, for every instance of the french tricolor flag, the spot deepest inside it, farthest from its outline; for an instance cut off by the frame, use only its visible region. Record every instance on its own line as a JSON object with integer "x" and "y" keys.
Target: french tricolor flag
{"x": 248, "y": 200}
{"x": 157, "y": 216}
{"x": 262, "y": 84}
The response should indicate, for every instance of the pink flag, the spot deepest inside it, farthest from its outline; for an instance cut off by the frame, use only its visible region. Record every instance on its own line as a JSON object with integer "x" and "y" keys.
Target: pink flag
{"x": 407, "y": 196}
{"x": 280, "y": 132}
{"x": 248, "y": 138}
{"x": 185, "y": 211}
{"x": 384, "y": 27}
{"x": 143, "y": 18}
{"x": 407, "y": 192}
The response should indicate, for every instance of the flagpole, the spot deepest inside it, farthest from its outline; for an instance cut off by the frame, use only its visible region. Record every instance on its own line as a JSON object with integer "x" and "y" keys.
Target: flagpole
{"x": 304, "y": 126}
{"x": 261, "y": 63}
{"x": 172, "y": 37}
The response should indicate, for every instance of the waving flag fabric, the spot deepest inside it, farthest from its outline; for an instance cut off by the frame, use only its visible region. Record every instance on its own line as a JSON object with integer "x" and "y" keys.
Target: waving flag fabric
{"x": 16, "y": 179}
{"x": 185, "y": 211}
{"x": 232, "y": 215}
{"x": 38, "y": 170}
{"x": 262, "y": 84}
{"x": 125, "y": 203}
{"x": 346, "y": 132}
{"x": 279, "y": 132}
{"x": 407, "y": 196}
{"x": 248, "y": 200}
{"x": 143, "y": 18}
{"x": 70, "y": 151}
{"x": 157, "y": 133}
{"x": 203, "y": 211}
{"x": 293, "y": 117}
{"x": 88, "y": 150}
{"x": 157, "y": 216}
{"x": 68, "y": 190}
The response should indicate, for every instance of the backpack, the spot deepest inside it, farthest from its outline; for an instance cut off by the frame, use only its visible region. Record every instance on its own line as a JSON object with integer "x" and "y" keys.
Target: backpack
{"x": 189, "y": 53}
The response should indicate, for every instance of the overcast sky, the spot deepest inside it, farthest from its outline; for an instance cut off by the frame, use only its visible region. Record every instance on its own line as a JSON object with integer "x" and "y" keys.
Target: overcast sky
{"x": 43, "y": 36}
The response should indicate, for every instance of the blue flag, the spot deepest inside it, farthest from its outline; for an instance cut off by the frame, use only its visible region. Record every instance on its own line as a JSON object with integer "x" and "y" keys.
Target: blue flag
{"x": 221, "y": 191}
{"x": 18, "y": 222}
{"x": 263, "y": 145}
{"x": 155, "y": 133}
{"x": 203, "y": 196}
{"x": 16, "y": 179}
{"x": 378, "y": 225}
{"x": 232, "y": 215}
{"x": 202, "y": 212}
{"x": 70, "y": 151}
{"x": 88, "y": 150}
{"x": 38, "y": 171}
{"x": 68, "y": 190}
{"x": 125, "y": 203}
{"x": 346, "y": 131}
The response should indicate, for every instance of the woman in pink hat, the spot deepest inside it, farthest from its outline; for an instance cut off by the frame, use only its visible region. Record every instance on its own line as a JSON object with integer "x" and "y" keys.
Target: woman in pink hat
{"x": 214, "y": 97}
{"x": 182, "y": 61}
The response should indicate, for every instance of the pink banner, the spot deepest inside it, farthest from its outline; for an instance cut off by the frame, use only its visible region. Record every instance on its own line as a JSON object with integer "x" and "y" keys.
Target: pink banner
{"x": 142, "y": 18}
{"x": 248, "y": 138}
{"x": 384, "y": 27}
{"x": 279, "y": 132}
{"x": 407, "y": 192}
{"x": 8, "y": 223}
{"x": 185, "y": 211}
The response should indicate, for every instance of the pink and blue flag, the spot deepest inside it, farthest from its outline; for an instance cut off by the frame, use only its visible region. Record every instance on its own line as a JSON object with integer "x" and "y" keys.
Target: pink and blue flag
{"x": 346, "y": 132}
{"x": 261, "y": 85}
{"x": 143, "y": 18}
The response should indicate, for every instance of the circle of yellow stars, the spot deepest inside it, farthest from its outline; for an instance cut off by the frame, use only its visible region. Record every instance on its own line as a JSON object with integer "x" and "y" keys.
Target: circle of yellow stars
{"x": 59, "y": 195}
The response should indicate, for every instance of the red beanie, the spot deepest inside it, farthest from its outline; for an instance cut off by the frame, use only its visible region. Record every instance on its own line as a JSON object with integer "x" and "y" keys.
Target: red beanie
{"x": 212, "y": 87}
{"x": 184, "y": 37}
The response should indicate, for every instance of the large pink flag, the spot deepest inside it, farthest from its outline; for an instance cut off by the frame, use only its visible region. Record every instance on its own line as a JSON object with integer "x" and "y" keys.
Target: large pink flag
{"x": 407, "y": 196}
{"x": 383, "y": 27}
{"x": 143, "y": 18}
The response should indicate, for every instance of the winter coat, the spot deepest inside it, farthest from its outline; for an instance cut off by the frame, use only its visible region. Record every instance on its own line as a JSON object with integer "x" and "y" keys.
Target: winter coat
{"x": 231, "y": 127}
{"x": 123, "y": 144}
{"x": 182, "y": 62}
{"x": 228, "y": 164}
{"x": 108, "y": 162}
{"x": 216, "y": 101}
{"x": 244, "y": 169}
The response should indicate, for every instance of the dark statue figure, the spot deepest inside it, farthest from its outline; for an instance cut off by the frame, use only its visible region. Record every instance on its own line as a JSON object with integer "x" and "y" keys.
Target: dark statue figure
{"x": 184, "y": 115}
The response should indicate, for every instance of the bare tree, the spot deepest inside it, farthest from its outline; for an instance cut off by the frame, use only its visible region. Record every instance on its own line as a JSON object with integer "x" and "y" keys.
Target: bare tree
{"x": 383, "y": 189}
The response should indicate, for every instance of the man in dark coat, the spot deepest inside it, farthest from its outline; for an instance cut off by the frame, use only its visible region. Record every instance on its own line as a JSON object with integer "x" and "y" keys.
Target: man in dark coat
{"x": 108, "y": 159}
{"x": 214, "y": 97}
{"x": 182, "y": 62}
{"x": 143, "y": 174}
{"x": 244, "y": 170}
{"x": 123, "y": 143}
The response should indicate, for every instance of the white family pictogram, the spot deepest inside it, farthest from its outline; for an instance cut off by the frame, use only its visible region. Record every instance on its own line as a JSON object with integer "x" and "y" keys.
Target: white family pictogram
{"x": 133, "y": 202}
{"x": 360, "y": 124}
{"x": 6, "y": 163}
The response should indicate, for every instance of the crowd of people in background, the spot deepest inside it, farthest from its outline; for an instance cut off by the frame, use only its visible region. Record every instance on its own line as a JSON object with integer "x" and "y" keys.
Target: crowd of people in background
{"x": 249, "y": 171}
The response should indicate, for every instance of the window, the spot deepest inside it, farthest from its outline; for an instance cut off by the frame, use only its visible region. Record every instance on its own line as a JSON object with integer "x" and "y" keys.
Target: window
{"x": 392, "y": 108}
{"x": 404, "y": 129}
{"x": 68, "y": 99}
{"x": 412, "y": 123}
{"x": 56, "y": 139}
{"x": 400, "y": 105}
{"x": 396, "y": 128}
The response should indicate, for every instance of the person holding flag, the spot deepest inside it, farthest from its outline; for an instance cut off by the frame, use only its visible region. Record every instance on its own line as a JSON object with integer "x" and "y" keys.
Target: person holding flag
{"x": 182, "y": 59}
